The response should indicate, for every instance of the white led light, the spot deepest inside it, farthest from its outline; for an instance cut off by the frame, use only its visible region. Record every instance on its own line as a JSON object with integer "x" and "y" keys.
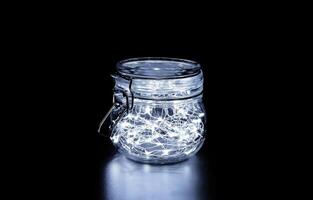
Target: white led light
{"x": 165, "y": 152}
{"x": 147, "y": 110}
{"x": 115, "y": 139}
{"x": 147, "y": 153}
{"x": 175, "y": 132}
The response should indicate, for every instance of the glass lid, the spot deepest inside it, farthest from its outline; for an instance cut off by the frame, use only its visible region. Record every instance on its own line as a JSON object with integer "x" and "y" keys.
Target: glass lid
{"x": 158, "y": 68}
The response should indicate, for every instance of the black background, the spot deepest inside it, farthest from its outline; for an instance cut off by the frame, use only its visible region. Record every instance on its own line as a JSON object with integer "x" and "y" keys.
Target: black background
{"x": 61, "y": 57}
{"x": 69, "y": 89}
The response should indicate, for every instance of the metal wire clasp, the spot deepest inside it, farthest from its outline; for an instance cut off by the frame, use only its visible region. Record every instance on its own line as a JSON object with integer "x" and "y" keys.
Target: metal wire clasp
{"x": 129, "y": 104}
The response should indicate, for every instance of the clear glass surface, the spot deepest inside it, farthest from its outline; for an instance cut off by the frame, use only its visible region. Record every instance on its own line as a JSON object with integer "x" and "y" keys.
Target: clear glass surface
{"x": 159, "y": 115}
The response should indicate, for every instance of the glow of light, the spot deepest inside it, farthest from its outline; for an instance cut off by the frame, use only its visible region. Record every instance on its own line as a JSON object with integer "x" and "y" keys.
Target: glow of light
{"x": 147, "y": 110}
{"x": 189, "y": 151}
{"x": 165, "y": 152}
{"x": 174, "y": 132}
{"x": 128, "y": 140}
{"x": 124, "y": 179}
{"x": 159, "y": 119}
{"x": 147, "y": 153}
{"x": 158, "y": 143}
{"x": 115, "y": 139}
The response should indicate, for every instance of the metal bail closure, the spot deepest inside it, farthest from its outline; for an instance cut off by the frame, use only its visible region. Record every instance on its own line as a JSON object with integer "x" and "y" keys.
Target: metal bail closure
{"x": 106, "y": 115}
{"x": 129, "y": 106}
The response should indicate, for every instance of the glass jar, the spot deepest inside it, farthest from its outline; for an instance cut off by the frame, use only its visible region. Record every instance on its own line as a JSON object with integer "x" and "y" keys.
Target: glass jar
{"x": 158, "y": 114}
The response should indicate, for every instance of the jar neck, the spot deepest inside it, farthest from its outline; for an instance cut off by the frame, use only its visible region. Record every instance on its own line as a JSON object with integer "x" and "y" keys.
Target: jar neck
{"x": 160, "y": 89}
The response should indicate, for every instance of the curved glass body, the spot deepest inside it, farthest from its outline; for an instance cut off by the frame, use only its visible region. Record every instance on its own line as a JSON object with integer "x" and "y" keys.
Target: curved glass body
{"x": 158, "y": 115}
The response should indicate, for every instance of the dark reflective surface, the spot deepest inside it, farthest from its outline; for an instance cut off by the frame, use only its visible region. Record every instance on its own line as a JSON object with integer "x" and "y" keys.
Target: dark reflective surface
{"x": 141, "y": 181}
{"x": 129, "y": 180}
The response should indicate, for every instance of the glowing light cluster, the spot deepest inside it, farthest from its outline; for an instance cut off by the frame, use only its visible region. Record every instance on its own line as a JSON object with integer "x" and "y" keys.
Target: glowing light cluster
{"x": 160, "y": 131}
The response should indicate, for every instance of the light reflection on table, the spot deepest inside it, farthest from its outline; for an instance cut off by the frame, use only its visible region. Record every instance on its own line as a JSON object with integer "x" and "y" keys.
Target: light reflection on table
{"x": 125, "y": 179}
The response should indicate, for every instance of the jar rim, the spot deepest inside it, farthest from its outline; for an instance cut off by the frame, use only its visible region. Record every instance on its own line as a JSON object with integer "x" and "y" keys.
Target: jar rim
{"x": 158, "y": 68}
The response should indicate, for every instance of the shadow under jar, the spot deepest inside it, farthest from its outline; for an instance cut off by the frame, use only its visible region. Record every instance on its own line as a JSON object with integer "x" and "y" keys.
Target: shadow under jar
{"x": 158, "y": 114}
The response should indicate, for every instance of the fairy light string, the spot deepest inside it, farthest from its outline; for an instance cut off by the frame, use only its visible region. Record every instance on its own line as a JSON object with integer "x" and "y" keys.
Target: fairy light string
{"x": 160, "y": 131}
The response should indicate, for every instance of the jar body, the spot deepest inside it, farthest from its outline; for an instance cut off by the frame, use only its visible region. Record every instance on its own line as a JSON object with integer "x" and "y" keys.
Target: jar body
{"x": 157, "y": 114}
{"x": 159, "y": 132}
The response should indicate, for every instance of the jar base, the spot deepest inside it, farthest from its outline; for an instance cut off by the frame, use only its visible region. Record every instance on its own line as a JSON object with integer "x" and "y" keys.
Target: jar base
{"x": 157, "y": 162}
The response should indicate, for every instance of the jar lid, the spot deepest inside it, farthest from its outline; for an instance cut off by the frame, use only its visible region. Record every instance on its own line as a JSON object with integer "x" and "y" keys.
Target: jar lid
{"x": 158, "y": 68}
{"x": 160, "y": 78}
